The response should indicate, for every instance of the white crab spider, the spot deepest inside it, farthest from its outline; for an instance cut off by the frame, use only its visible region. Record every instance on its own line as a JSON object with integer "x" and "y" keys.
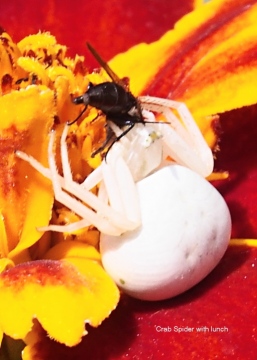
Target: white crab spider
{"x": 116, "y": 208}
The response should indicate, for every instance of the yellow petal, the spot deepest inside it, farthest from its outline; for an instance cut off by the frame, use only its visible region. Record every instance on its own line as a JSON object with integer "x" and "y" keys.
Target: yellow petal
{"x": 31, "y": 65}
{"x": 73, "y": 249}
{"x": 243, "y": 242}
{"x": 3, "y": 239}
{"x": 62, "y": 295}
{"x": 25, "y": 196}
{"x": 6, "y": 264}
{"x": 43, "y": 46}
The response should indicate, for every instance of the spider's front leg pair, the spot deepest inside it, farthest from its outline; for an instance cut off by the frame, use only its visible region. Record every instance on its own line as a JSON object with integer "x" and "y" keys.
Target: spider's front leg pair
{"x": 119, "y": 215}
{"x": 182, "y": 140}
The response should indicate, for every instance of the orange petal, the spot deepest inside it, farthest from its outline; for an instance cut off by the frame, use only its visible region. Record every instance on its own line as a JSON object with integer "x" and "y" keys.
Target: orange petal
{"x": 87, "y": 259}
{"x": 63, "y": 297}
{"x": 9, "y": 55}
{"x": 25, "y": 196}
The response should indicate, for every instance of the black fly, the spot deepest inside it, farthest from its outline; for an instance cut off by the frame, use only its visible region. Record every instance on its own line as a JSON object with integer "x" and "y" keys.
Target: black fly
{"x": 114, "y": 100}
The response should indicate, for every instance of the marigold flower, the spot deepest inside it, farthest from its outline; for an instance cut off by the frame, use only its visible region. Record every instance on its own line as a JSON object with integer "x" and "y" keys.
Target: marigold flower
{"x": 37, "y": 80}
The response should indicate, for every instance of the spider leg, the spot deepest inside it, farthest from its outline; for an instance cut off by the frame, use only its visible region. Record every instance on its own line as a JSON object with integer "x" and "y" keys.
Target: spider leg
{"x": 121, "y": 215}
{"x": 105, "y": 219}
{"x": 94, "y": 178}
{"x": 65, "y": 157}
{"x": 120, "y": 188}
{"x": 65, "y": 228}
{"x": 183, "y": 139}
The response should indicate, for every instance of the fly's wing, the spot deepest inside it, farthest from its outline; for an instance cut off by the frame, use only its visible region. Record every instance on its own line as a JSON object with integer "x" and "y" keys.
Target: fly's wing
{"x": 107, "y": 68}
{"x": 114, "y": 76}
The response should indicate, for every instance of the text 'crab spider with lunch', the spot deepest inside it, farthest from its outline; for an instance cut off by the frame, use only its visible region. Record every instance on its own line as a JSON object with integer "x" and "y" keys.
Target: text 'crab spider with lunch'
{"x": 145, "y": 149}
